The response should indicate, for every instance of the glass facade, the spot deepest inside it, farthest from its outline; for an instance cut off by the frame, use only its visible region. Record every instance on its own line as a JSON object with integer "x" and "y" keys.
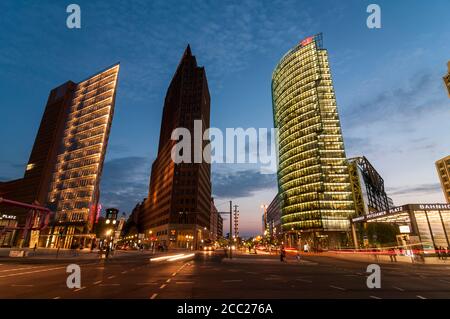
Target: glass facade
{"x": 430, "y": 223}
{"x": 443, "y": 170}
{"x": 313, "y": 175}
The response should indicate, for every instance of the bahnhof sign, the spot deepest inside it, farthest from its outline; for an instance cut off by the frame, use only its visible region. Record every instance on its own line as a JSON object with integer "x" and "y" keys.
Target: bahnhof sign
{"x": 425, "y": 225}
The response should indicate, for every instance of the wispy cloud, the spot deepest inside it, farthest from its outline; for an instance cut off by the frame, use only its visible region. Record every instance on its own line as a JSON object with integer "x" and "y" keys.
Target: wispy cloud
{"x": 125, "y": 182}
{"x": 406, "y": 102}
{"x": 415, "y": 189}
{"x": 241, "y": 183}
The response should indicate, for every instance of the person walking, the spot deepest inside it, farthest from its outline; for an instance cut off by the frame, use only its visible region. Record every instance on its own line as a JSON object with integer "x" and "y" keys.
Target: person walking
{"x": 282, "y": 254}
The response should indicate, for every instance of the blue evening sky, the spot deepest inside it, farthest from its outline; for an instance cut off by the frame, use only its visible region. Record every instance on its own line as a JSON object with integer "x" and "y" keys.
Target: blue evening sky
{"x": 388, "y": 82}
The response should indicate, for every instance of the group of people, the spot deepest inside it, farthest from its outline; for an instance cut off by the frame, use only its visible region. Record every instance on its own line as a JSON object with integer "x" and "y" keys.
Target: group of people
{"x": 442, "y": 252}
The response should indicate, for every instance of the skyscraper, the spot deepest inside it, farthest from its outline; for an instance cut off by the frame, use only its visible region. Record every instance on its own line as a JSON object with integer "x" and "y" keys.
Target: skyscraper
{"x": 65, "y": 165}
{"x": 443, "y": 170}
{"x": 74, "y": 186}
{"x": 177, "y": 210}
{"x": 313, "y": 177}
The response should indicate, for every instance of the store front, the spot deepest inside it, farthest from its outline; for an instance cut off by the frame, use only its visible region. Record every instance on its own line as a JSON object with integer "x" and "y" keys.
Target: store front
{"x": 7, "y": 231}
{"x": 421, "y": 226}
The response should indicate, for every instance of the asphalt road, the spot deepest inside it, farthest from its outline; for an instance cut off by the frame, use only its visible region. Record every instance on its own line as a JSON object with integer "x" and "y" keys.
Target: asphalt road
{"x": 208, "y": 276}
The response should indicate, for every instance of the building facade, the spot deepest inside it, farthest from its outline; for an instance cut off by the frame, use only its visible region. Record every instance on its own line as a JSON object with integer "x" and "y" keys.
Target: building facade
{"x": 313, "y": 179}
{"x": 274, "y": 218}
{"x": 214, "y": 221}
{"x": 65, "y": 165}
{"x": 178, "y": 206}
{"x": 74, "y": 186}
{"x": 420, "y": 226}
{"x": 219, "y": 226}
{"x": 443, "y": 170}
{"x": 447, "y": 79}
{"x": 367, "y": 187}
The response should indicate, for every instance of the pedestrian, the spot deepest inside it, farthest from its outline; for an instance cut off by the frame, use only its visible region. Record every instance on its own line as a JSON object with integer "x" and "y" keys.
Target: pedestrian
{"x": 436, "y": 249}
{"x": 282, "y": 254}
{"x": 35, "y": 247}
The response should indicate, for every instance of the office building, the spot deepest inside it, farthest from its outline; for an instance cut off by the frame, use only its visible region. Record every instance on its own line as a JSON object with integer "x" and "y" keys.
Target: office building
{"x": 74, "y": 186}
{"x": 65, "y": 165}
{"x": 274, "y": 218}
{"x": 177, "y": 210}
{"x": 447, "y": 79}
{"x": 313, "y": 177}
{"x": 443, "y": 170}
{"x": 214, "y": 221}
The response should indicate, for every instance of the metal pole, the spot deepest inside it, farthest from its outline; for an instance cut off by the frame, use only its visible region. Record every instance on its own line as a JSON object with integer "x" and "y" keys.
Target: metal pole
{"x": 231, "y": 227}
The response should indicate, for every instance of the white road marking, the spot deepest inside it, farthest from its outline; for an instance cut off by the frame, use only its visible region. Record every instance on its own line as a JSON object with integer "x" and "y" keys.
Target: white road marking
{"x": 183, "y": 282}
{"x": 336, "y": 287}
{"x": 23, "y": 268}
{"x": 304, "y": 280}
{"x": 97, "y": 282}
{"x": 111, "y": 277}
{"x": 375, "y": 297}
{"x": 104, "y": 285}
{"x": 420, "y": 297}
{"x": 146, "y": 283}
{"x": 124, "y": 272}
{"x": 57, "y": 297}
{"x": 174, "y": 274}
{"x": 272, "y": 278}
{"x": 445, "y": 281}
{"x": 78, "y": 289}
{"x": 18, "y": 285}
{"x": 398, "y": 288}
{"x": 232, "y": 280}
{"x": 162, "y": 286}
{"x": 168, "y": 280}
{"x": 31, "y": 272}
{"x": 153, "y": 296}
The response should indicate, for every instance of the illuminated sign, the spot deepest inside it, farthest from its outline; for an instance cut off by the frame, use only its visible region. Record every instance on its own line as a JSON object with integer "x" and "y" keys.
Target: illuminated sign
{"x": 378, "y": 214}
{"x": 404, "y": 229}
{"x": 431, "y": 206}
{"x": 306, "y": 41}
{"x": 4, "y": 216}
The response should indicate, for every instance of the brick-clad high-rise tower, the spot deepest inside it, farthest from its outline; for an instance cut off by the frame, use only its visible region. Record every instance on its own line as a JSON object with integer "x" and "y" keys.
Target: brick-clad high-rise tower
{"x": 177, "y": 210}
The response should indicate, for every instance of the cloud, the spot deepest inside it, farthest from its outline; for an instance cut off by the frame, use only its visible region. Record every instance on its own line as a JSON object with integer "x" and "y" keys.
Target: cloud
{"x": 124, "y": 182}
{"x": 241, "y": 183}
{"x": 405, "y": 103}
{"x": 414, "y": 189}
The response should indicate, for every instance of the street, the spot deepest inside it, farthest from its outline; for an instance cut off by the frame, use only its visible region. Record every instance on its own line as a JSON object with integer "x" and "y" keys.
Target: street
{"x": 209, "y": 276}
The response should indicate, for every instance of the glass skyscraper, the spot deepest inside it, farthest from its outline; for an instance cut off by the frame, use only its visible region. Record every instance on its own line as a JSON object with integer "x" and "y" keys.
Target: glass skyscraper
{"x": 313, "y": 177}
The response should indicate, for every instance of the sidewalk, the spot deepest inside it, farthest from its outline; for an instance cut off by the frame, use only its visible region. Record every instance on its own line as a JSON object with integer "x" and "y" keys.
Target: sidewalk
{"x": 382, "y": 258}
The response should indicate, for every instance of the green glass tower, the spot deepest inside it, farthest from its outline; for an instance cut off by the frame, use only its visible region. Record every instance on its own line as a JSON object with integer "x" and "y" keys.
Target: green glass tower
{"x": 313, "y": 177}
